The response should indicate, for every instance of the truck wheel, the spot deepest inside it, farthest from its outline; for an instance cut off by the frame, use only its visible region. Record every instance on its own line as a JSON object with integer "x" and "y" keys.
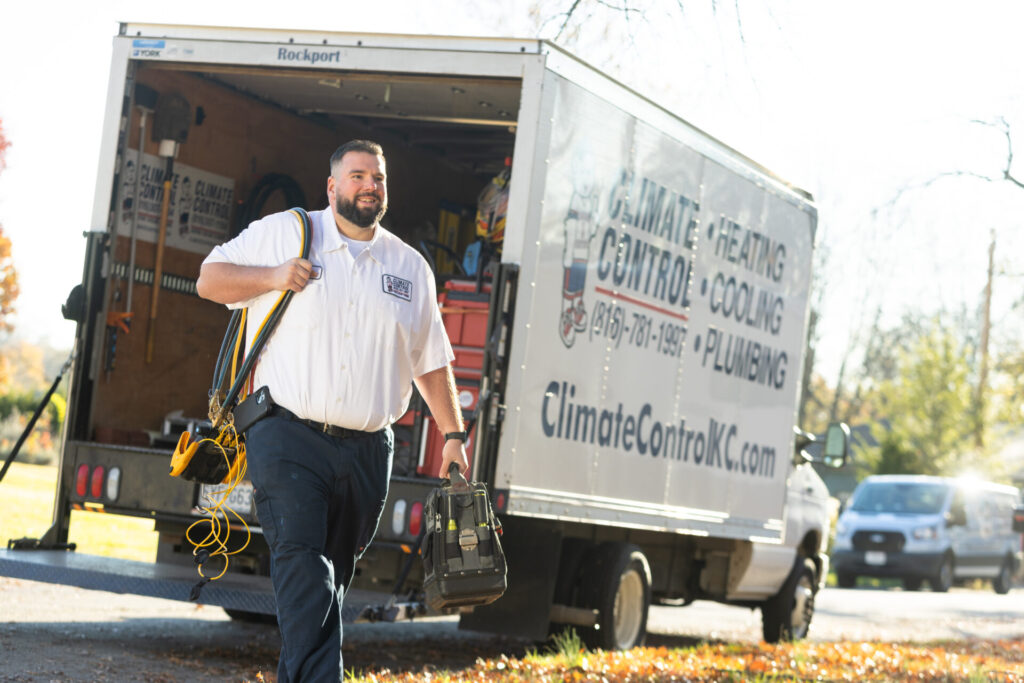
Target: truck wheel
{"x": 617, "y": 583}
{"x": 787, "y": 614}
{"x": 846, "y": 580}
{"x": 943, "y": 579}
{"x": 912, "y": 584}
{"x": 1004, "y": 580}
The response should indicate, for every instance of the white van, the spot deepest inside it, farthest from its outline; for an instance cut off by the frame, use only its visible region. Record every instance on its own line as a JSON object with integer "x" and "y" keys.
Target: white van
{"x": 915, "y": 527}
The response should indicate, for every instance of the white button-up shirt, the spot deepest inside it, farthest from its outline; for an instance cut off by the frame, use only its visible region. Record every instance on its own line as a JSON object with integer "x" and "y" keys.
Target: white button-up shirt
{"x": 348, "y": 347}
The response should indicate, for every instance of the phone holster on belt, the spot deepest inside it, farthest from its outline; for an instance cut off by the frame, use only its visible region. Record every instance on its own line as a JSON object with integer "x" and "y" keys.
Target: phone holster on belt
{"x": 253, "y": 409}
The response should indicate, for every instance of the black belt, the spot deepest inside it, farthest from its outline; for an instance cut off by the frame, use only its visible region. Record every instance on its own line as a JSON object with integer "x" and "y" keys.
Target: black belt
{"x": 329, "y": 429}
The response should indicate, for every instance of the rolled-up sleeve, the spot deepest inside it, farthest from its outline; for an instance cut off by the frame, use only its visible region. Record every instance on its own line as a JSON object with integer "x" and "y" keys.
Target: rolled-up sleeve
{"x": 257, "y": 245}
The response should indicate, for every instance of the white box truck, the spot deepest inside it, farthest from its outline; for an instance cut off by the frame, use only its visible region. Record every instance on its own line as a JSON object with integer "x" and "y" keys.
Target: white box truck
{"x": 629, "y": 332}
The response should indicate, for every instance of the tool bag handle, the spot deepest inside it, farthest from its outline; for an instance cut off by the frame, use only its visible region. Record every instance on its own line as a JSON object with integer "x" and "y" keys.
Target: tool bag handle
{"x": 265, "y": 330}
{"x": 457, "y": 481}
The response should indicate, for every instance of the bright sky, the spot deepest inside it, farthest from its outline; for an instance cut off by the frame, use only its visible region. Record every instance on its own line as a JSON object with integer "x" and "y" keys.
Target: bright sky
{"x": 852, "y": 101}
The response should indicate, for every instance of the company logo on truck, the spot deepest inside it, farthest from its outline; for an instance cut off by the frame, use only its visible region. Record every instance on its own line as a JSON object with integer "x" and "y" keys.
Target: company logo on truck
{"x": 285, "y": 54}
{"x": 579, "y": 228}
{"x": 715, "y": 445}
{"x": 645, "y": 235}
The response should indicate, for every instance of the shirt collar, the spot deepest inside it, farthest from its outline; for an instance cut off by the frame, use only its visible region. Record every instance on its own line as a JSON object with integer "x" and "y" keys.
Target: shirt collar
{"x": 332, "y": 240}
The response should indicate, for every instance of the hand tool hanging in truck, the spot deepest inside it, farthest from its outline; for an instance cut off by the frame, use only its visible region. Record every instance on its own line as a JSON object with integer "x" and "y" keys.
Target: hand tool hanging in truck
{"x": 216, "y": 454}
{"x": 170, "y": 126}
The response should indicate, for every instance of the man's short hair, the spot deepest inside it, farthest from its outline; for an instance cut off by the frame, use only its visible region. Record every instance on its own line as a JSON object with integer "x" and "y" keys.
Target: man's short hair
{"x": 367, "y": 146}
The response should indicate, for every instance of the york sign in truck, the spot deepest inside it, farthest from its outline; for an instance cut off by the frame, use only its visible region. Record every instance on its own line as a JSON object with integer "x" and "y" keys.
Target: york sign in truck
{"x": 628, "y": 309}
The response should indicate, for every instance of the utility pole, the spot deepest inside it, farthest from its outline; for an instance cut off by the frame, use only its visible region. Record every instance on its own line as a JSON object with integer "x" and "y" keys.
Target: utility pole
{"x": 985, "y": 324}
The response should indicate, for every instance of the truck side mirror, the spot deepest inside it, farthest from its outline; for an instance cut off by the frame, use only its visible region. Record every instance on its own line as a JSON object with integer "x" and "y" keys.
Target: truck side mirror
{"x": 1018, "y": 519}
{"x": 957, "y": 515}
{"x": 837, "y": 445}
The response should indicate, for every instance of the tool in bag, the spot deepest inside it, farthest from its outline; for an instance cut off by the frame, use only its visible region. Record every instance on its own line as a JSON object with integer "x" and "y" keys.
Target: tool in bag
{"x": 463, "y": 563}
{"x": 215, "y": 454}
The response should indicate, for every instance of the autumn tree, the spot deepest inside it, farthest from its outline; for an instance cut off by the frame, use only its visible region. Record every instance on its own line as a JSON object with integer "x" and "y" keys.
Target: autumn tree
{"x": 8, "y": 275}
{"x": 928, "y": 405}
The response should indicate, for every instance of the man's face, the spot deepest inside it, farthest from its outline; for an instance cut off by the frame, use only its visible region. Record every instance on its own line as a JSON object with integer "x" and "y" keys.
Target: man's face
{"x": 358, "y": 189}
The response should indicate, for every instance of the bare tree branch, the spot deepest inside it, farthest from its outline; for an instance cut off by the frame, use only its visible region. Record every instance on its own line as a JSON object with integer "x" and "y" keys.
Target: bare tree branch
{"x": 624, "y": 7}
{"x": 739, "y": 23}
{"x": 1007, "y": 173}
{"x": 568, "y": 15}
{"x": 928, "y": 183}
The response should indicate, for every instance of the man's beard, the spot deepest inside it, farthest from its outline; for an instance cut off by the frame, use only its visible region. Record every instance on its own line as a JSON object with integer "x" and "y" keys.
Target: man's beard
{"x": 361, "y": 217}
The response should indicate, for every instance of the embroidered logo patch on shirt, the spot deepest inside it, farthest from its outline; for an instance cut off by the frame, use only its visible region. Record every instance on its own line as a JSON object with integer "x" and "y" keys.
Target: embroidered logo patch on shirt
{"x": 396, "y": 286}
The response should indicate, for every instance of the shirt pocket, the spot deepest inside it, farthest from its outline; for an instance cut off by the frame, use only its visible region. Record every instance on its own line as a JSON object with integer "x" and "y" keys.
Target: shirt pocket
{"x": 395, "y": 320}
{"x": 306, "y": 310}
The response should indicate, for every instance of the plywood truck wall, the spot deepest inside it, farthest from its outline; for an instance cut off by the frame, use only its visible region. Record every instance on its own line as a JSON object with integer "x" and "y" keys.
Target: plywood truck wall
{"x": 239, "y": 140}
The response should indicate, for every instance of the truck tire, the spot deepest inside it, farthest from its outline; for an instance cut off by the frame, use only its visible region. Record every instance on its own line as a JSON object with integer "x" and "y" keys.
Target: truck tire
{"x": 787, "y": 614}
{"x": 617, "y": 583}
{"x": 942, "y": 581}
{"x": 1004, "y": 580}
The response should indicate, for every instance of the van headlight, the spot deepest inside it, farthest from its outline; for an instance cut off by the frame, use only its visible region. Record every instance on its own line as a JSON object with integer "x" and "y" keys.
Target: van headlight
{"x": 926, "y": 533}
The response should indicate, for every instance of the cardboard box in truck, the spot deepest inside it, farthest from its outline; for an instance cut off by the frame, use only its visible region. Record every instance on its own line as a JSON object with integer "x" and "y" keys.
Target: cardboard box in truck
{"x": 628, "y": 306}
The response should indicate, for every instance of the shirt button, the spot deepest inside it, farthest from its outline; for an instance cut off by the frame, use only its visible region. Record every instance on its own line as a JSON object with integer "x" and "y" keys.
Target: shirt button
{"x": 343, "y": 367}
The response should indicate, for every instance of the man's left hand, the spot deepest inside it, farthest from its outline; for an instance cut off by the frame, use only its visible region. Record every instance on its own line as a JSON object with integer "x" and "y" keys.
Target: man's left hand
{"x": 454, "y": 451}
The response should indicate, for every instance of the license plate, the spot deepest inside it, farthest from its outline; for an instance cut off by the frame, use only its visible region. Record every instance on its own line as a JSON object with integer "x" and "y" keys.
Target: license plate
{"x": 875, "y": 557}
{"x": 239, "y": 500}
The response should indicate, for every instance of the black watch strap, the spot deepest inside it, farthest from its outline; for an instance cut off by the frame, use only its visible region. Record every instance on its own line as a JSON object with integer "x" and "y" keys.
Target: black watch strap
{"x": 461, "y": 436}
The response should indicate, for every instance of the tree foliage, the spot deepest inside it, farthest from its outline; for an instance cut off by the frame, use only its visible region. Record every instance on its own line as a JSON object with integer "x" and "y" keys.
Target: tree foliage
{"x": 8, "y": 275}
{"x": 929, "y": 405}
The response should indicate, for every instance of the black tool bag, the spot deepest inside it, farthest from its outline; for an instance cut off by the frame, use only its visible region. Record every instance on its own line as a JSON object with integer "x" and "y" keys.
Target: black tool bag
{"x": 463, "y": 564}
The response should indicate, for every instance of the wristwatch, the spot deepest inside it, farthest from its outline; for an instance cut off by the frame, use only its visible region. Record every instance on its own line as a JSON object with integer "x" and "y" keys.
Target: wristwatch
{"x": 461, "y": 436}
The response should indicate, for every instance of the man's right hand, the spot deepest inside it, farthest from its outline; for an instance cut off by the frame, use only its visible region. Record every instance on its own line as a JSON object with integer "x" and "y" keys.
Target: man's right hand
{"x": 227, "y": 283}
{"x": 292, "y": 275}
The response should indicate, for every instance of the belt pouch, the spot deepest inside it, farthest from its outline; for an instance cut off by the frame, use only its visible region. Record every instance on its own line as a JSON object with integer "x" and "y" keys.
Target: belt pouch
{"x": 253, "y": 409}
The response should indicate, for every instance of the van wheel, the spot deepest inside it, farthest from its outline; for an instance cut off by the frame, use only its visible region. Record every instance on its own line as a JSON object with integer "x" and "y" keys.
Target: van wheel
{"x": 617, "y": 583}
{"x": 943, "y": 579}
{"x": 787, "y": 615}
{"x": 846, "y": 580}
{"x": 912, "y": 584}
{"x": 1004, "y": 581}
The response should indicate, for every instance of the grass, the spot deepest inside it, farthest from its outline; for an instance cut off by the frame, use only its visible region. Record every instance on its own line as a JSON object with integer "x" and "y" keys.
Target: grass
{"x": 569, "y": 646}
{"x": 26, "y": 510}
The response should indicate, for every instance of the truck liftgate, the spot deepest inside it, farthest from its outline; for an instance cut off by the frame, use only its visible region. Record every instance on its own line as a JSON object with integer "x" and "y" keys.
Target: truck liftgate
{"x": 234, "y": 592}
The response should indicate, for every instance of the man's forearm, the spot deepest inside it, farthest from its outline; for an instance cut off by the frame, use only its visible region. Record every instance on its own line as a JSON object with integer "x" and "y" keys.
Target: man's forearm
{"x": 438, "y": 389}
{"x": 227, "y": 283}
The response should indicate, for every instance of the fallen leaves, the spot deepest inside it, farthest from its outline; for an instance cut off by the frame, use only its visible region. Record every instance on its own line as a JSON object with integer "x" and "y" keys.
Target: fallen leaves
{"x": 859, "y": 661}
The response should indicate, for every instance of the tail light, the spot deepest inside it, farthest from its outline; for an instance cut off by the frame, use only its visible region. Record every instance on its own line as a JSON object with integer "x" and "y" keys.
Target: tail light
{"x": 113, "y": 483}
{"x": 398, "y": 517}
{"x": 415, "y": 519}
{"x": 96, "y": 481}
{"x": 82, "y": 480}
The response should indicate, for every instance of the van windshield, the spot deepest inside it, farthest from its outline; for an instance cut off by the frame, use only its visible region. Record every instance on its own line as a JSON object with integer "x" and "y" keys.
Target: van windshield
{"x": 900, "y": 497}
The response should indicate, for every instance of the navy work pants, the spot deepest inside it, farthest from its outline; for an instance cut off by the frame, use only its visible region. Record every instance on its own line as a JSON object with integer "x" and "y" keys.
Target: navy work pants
{"x": 319, "y": 499}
